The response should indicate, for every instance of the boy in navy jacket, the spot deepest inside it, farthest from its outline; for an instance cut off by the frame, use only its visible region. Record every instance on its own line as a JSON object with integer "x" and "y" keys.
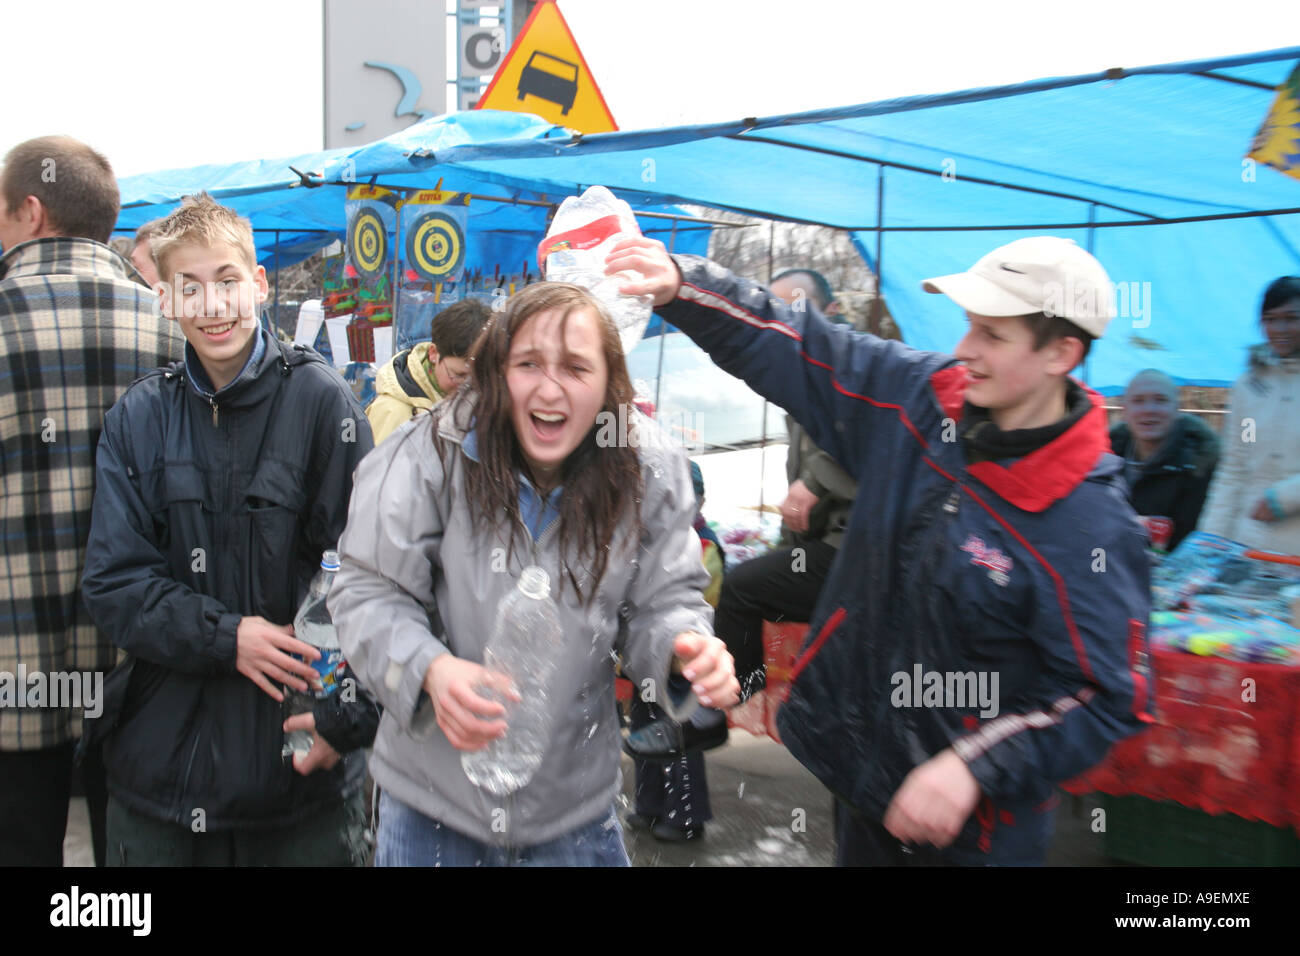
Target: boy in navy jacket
{"x": 982, "y": 634}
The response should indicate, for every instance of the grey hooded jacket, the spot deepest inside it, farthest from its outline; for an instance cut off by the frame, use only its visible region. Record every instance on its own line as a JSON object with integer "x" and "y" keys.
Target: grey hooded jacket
{"x": 417, "y": 580}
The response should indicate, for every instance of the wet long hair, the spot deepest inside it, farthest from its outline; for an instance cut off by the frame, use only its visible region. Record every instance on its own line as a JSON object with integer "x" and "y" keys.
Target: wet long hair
{"x": 601, "y": 484}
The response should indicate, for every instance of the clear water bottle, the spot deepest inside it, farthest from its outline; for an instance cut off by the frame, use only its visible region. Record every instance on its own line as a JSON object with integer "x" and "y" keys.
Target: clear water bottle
{"x": 525, "y": 646}
{"x": 313, "y": 626}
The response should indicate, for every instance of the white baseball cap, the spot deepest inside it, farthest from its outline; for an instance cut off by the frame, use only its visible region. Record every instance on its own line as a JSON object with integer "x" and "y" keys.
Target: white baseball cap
{"x": 1038, "y": 274}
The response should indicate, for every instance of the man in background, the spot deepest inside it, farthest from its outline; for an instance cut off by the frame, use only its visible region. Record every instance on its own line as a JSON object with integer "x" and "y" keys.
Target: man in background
{"x": 1169, "y": 458}
{"x": 79, "y": 329}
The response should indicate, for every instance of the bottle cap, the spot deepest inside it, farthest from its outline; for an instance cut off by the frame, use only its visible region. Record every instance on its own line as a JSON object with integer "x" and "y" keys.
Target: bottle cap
{"x": 329, "y": 561}
{"x": 535, "y": 582}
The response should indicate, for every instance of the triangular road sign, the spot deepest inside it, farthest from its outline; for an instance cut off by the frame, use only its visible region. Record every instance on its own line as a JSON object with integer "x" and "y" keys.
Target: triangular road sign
{"x": 544, "y": 73}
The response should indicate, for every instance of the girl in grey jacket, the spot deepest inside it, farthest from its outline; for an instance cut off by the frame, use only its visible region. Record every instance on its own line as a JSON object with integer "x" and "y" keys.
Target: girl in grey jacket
{"x": 530, "y": 464}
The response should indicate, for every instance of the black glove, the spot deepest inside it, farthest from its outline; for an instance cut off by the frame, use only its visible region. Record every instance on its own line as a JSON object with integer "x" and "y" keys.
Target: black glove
{"x": 347, "y": 725}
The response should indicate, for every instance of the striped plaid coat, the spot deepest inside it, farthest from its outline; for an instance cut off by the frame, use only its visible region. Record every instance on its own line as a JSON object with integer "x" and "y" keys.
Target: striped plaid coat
{"x": 75, "y": 330}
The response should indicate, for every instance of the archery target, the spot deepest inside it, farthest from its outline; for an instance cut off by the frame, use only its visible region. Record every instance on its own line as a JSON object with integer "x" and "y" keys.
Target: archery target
{"x": 368, "y": 243}
{"x": 435, "y": 246}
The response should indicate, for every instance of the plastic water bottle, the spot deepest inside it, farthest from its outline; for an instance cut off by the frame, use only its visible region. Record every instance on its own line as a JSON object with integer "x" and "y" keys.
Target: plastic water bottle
{"x": 525, "y": 646}
{"x": 584, "y": 230}
{"x": 313, "y": 626}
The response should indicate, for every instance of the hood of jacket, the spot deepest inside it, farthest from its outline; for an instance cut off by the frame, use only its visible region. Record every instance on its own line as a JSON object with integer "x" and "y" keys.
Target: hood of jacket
{"x": 404, "y": 378}
{"x": 1262, "y": 356}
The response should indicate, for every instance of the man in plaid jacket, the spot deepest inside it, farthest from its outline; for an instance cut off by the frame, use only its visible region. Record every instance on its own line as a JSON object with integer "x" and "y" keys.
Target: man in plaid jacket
{"x": 77, "y": 331}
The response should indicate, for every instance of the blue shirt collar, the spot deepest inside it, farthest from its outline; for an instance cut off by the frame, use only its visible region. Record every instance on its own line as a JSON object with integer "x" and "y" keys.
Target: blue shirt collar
{"x": 537, "y": 514}
{"x": 199, "y": 376}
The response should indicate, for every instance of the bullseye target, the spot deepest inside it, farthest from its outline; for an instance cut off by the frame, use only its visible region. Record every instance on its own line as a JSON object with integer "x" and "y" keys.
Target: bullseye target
{"x": 368, "y": 243}
{"x": 435, "y": 246}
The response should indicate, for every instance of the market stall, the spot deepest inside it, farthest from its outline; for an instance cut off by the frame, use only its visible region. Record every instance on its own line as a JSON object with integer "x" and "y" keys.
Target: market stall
{"x": 1225, "y": 681}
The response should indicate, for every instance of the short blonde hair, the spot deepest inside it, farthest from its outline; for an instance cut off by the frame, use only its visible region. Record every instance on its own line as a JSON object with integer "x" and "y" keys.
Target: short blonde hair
{"x": 146, "y": 232}
{"x": 202, "y": 221}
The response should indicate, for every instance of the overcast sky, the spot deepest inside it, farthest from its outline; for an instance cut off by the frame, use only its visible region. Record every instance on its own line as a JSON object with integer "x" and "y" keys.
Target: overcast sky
{"x": 156, "y": 85}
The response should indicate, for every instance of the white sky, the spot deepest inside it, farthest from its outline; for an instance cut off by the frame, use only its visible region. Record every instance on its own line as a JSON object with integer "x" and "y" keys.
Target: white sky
{"x": 156, "y": 85}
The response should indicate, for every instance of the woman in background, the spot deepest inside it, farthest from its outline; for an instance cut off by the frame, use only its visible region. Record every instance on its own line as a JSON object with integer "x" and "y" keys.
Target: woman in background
{"x": 1255, "y": 498}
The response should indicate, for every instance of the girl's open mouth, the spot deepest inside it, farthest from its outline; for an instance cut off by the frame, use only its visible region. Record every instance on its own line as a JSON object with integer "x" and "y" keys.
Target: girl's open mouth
{"x": 548, "y": 425}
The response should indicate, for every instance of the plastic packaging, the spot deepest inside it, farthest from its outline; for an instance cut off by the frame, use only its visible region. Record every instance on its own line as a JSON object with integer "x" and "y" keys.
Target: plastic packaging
{"x": 584, "y": 230}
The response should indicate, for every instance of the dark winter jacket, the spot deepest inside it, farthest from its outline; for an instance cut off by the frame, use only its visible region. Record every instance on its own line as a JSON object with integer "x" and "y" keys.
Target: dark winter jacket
{"x": 210, "y": 508}
{"x": 1033, "y": 570}
{"x": 1172, "y": 484}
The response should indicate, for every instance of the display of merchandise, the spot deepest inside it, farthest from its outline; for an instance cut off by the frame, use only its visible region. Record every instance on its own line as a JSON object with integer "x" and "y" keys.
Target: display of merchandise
{"x": 1216, "y": 598}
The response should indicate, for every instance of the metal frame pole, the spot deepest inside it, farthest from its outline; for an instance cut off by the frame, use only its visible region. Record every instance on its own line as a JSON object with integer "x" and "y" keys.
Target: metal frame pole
{"x": 663, "y": 331}
{"x": 277, "y": 280}
{"x": 878, "y": 303}
{"x": 1091, "y": 237}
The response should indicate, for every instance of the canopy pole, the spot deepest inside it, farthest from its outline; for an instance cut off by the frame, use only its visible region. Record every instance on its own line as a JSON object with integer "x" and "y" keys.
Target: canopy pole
{"x": 663, "y": 331}
{"x": 762, "y": 438}
{"x": 277, "y": 280}
{"x": 1091, "y": 243}
{"x": 878, "y": 303}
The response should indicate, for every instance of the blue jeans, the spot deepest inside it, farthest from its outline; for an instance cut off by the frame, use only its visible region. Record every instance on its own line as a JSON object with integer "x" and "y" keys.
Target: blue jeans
{"x": 409, "y": 838}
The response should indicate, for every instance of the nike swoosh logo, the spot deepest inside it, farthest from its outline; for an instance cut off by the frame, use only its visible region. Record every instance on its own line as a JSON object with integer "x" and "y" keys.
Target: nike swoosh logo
{"x": 1007, "y": 268}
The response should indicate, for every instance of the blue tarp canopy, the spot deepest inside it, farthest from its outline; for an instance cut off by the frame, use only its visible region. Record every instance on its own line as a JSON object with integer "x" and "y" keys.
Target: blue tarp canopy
{"x": 295, "y": 215}
{"x": 1134, "y": 164}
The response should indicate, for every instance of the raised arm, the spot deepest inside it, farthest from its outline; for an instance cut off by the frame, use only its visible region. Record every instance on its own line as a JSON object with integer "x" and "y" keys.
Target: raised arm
{"x": 828, "y": 377}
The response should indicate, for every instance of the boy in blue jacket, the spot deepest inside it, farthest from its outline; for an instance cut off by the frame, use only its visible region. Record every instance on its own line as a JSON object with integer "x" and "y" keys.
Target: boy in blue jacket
{"x": 982, "y": 634}
{"x": 220, "y": 480}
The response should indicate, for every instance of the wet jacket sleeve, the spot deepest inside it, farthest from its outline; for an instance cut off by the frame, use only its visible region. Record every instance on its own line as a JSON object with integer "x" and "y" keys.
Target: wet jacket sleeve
{"x": 349, "y": 718}
{"x": 1094, "y": 685}
{"x": 127, "y": 583}
{"x": 667, "y": 592}
{"x": 382, "y": 601}
{"x": 825, "y": 375}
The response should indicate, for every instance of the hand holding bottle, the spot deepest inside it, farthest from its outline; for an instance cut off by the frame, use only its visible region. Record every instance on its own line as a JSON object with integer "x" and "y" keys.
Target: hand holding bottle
{"x": 463, "y": 715}
{"x": 322, "y": 755}
{"x": 263, "y": 654}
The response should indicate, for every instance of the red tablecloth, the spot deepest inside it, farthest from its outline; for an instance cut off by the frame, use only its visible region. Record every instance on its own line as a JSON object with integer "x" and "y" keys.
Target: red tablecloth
{"x": 1226, "y": 740}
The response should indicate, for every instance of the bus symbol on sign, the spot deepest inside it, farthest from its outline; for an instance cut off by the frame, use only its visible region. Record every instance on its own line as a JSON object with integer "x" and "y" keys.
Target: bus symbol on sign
{"x": 549, "y": 78}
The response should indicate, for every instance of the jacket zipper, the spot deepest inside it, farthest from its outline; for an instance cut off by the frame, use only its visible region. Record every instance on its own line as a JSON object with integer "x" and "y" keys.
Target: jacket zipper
{"x": 213, "y": 400}
{"x": 185, "y": 785}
